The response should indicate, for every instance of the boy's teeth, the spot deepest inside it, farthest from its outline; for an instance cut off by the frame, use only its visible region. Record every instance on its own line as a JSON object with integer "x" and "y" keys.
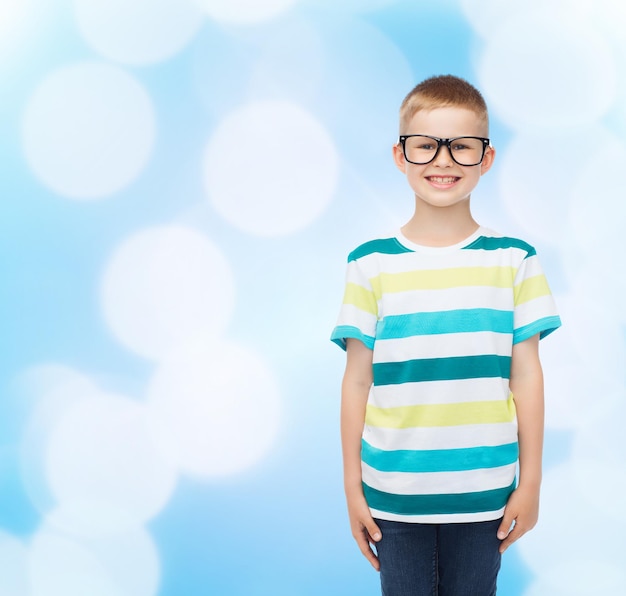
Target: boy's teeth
{"x": 440, "y": 180}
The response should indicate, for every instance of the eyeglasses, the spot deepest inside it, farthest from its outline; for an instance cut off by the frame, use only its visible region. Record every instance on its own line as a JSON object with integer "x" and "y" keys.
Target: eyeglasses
{"x": 422, "y": 149}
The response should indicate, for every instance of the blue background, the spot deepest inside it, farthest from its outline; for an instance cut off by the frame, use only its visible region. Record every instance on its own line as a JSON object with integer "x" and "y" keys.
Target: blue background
{"x": 272, "y": 520}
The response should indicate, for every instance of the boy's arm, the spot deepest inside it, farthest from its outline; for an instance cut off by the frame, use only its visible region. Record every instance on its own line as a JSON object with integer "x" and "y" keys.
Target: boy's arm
{"x": 355, "y": 388}
{"x": 527, "y": 387}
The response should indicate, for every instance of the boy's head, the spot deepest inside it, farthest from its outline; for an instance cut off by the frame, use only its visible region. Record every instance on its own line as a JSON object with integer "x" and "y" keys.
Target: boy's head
{"x": 443, "y": 91}
{"x": 444, "y": 146}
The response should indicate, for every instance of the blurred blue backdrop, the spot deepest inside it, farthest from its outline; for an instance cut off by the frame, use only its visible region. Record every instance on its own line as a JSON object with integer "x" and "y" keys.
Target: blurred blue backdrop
{"x": 181, "y": 183}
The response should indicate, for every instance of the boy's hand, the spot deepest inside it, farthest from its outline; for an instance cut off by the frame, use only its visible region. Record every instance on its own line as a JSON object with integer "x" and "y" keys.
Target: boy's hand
{"x": 364, "y": 529}
{"x": 523, "y": 509}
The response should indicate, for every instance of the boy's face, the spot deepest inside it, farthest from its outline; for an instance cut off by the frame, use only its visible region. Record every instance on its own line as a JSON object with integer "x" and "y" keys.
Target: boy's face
{"x": 443, "y": 182}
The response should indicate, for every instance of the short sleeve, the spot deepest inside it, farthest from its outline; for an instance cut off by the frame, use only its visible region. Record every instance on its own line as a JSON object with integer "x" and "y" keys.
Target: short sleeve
{"x": 535, "y": 310}
{"x": 359, "y": 311}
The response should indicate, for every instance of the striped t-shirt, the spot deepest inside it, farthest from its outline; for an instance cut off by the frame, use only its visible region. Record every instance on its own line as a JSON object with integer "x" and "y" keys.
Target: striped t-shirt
{"x": 439, "y": 443}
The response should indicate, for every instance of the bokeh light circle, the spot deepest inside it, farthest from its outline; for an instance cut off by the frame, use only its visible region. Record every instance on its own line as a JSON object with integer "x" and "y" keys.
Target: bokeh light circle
{"x": 295, "y": 75}
{"x": 222, "y": 405}
{"x": 603, "y": 440}
{"x": 595, "y": 479}
{"x": 588, "y": 326}
{"x": 244, "y": 12}
{"x": 113, "y": 565}
{"x": 88, "y": 130}
{"x": 108, "y": 450}
{"x": 270, "y": 168}
{"x": 539, "y": 200}
{"x": 595, "y": 281}
{"x": 51, "y": 390}
{"x": 485, "y": 16}
{"x": 593, "y": 221}
{"x": 15, "y": 18}
{"x": 351, "y": 6}
{"x": 564, "y": 79}
{"x": 580, "y": 577}
{"x": 14, "y": 557}
{"x": 595, "y": 230}
{"x": 575, "y": 400}
{"x": 164, "y": 285}
{"x": 568, "y": 394}
{"x": 91, "y": 518}
{"x": 137, "y": 32}
{"x": 569, "y": 528}
{"x": 10, "y": 13}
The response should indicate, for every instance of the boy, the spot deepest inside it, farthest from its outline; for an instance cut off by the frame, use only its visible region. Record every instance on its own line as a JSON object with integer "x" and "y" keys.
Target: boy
{"x": 442, "y": 394}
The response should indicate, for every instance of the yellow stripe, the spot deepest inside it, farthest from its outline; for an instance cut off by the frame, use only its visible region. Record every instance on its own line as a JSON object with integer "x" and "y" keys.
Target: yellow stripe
{"x": 361, "y": 298}
{"x": 477, "y": 412}
{"x": 497, "y": 277}
{"x": 531, "y": 288}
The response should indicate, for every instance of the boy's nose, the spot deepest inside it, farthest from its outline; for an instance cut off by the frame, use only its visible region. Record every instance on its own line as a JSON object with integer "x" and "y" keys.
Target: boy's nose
{"x": 443, "y": 156}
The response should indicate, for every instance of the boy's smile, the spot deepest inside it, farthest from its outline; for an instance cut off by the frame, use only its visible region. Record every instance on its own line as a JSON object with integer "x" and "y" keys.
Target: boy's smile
{"x": 443, "y": 183}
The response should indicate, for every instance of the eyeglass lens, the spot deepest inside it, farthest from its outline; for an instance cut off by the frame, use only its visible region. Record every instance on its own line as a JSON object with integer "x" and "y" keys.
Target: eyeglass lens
{"x": 466, "y": 151}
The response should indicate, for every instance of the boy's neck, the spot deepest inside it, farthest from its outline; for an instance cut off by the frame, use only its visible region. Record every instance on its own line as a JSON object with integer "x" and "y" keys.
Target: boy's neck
{"x": 440, "y": 226}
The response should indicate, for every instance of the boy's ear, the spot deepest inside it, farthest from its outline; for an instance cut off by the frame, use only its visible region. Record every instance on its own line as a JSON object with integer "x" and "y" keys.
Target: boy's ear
{"x": 398, "y": 157}
{"x": 490, "y": 155}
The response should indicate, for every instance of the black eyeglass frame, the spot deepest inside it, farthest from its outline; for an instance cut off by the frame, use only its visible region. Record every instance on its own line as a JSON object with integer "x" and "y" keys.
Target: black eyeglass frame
{"x": 440, "y": 143}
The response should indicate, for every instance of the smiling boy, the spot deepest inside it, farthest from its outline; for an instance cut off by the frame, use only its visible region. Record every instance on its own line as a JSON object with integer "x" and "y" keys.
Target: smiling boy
{"x": 442, "y": 396}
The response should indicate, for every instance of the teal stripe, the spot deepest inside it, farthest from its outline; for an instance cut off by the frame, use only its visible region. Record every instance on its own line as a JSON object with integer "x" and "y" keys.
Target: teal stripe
{"x": 442, "y": 369}
{"x": 488, "y": 500}
{"x": 543, "y": 326}
{"x": 489, "y": 243}
{"x": 439, "y": 460}
{"x": 468, "y": 320}
{"x": 386, "y": 246}
{"x": 343, "y": 332}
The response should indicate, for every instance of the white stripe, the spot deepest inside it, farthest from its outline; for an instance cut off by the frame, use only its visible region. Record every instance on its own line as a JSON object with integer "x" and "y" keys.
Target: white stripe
{"x": 536, "y": 309}
{"x": 363, "y": 320}
{"x": 438, "y": 483}
{"x": 530, "y": 267}
{"x": 400, "y": 303}
{"x": 374, "y": 263}
{"x": 355, "y": 275}
{"x": 455, "y": 518}
{"x": 444, "y": 437}
{"x": 443, "y": 345}
{"x": 439, "y": 392}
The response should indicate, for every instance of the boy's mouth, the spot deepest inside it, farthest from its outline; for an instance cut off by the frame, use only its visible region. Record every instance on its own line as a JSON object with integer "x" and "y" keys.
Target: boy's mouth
{"x": 442, "y": 179}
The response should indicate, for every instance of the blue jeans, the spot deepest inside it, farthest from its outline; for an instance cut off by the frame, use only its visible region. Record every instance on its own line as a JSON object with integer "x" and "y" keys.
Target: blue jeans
{"x": 438, "y": 559}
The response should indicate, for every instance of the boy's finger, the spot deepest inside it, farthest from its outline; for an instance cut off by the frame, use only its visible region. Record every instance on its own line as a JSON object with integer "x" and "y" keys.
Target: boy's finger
{"x": 514, "y": 535}
{"x": 373, "y": 530}
{"x": 505, "y": 528}
{"x": 364, "y": 546}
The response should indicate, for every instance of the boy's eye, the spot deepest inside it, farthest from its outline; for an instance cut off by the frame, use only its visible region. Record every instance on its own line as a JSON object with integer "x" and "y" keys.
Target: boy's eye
{"x": 426, "y": 146}
{"x": 459, "y": 147}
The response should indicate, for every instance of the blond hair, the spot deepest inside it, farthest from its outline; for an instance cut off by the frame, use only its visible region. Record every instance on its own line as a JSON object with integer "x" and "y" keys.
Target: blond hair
{"x": 439, "y": 92}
